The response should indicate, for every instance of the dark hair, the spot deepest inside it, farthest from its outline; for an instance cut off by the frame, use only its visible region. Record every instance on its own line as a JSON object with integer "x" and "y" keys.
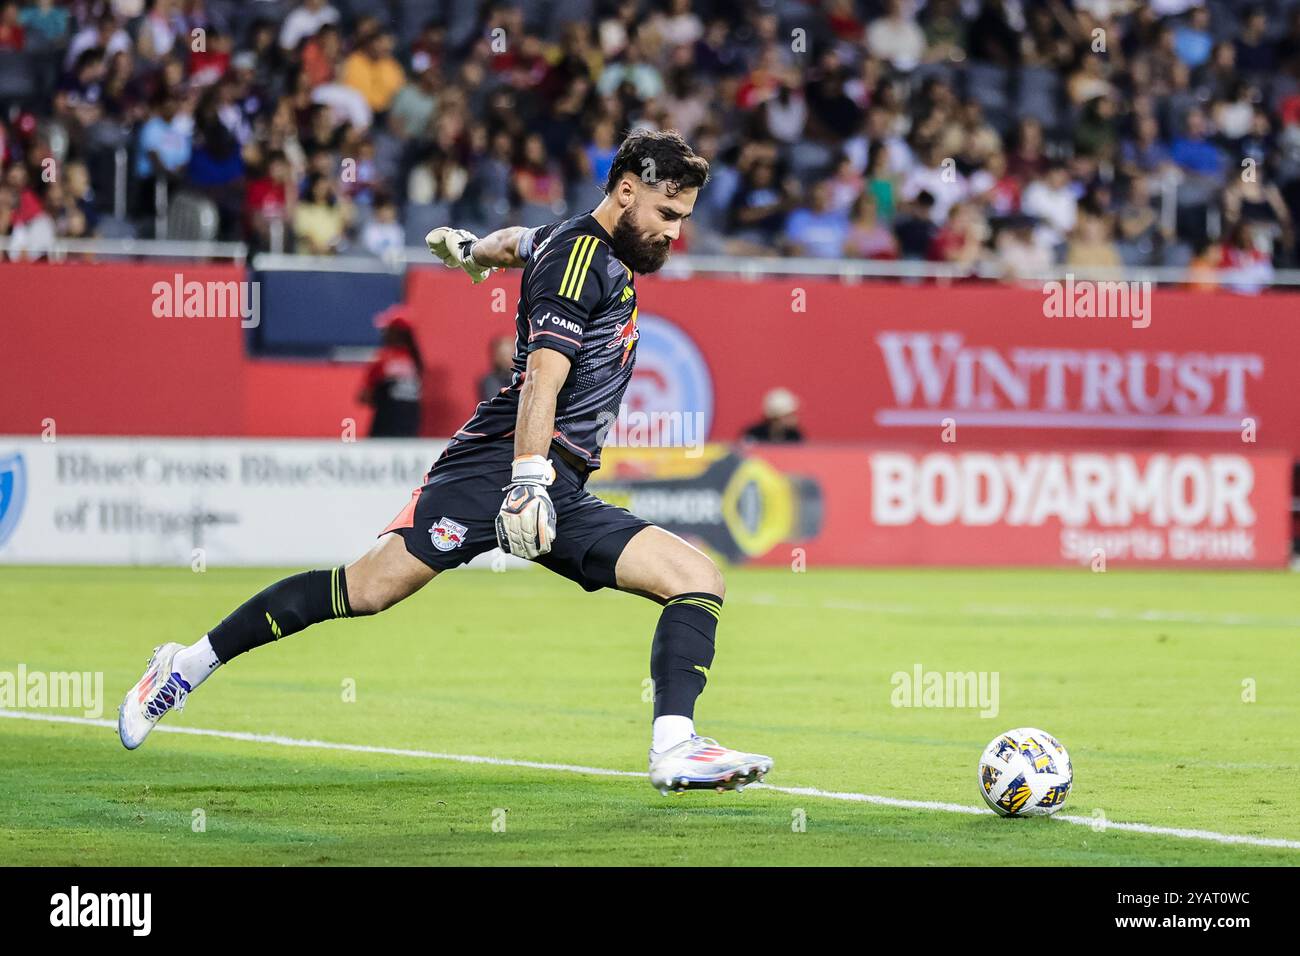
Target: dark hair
{"x": 658, "y": 156}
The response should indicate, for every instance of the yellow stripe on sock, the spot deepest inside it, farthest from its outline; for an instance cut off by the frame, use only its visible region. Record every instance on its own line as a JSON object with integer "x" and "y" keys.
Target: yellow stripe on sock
{"x": 714, "y": 609}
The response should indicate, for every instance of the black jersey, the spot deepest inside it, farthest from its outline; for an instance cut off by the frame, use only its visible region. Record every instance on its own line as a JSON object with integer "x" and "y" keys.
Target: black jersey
{"x": 576, "y": 297}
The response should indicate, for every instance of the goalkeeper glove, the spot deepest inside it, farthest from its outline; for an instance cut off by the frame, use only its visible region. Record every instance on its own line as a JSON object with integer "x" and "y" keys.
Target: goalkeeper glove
{"x": 454, "y": 247}
{"x": 526, "y": 520}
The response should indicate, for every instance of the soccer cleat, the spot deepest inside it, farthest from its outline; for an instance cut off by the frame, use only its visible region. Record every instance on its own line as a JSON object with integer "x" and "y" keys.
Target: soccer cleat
{"x": 701, "y": 763}
{"x": 157, "y": 692}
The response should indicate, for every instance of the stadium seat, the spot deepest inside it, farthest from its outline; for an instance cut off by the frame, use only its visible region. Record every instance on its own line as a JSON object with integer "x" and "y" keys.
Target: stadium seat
{"x": 809, "y": 161}
{"x": 1038, "y": 94}
{"x": 532, "y": 215}
{"x": 353, "y": 10}
{"x": 462, "y": 22}
{"x": 571, "y": 11}
{"x": 989, "y": 85}
{"x": 192, "y": 218}
{"x": 17, "y": 79}
{"x": 110, "y": 227}
{"x": 421, "y": 217}
{"x": 414, "y": 14}
{"x": 1135, "y": 253}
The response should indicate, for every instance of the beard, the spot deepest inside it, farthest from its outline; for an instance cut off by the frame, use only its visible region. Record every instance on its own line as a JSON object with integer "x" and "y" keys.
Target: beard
{"x": 642, "y": 255}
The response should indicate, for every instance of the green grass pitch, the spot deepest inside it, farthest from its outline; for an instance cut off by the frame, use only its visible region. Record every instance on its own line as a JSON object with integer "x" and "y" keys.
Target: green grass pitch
{"x": 1141, "y": 675}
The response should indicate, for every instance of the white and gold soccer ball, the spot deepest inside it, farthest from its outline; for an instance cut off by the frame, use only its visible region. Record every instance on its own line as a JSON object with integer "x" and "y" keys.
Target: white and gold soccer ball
{"x": 1025, "y": 773}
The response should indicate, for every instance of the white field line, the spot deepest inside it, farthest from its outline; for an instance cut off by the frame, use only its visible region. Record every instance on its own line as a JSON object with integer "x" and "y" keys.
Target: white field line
{"x": 1027, "y": 612}
{"x": 281, "y": 741}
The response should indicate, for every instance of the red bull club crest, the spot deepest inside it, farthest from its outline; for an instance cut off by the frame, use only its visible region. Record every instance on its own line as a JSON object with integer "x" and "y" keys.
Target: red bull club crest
{"x": 447, "y": 534}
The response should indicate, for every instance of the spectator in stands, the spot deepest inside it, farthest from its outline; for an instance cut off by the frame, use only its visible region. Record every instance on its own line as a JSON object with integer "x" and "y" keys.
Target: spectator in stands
{"x": 881, "y": 181}
{"x": 1145, "y": 152}
{"x": 959, "y": 242}
{"x": 1194, "y": 151}
{"x": 761, "y": 203}
{"x": 158, "y": 31}
{"x": 501, "y": 353}
{"x": 634, "y": 70}
{"x": 940, "y": 178}
{"x": 896, "y": 38}
{"x": 216, "y": 165}
{"x": 393, "y": 382}
{"x": 13, "y": 36}
{"x": 46, "y": 25}
{"x": 915, "y": 227}
{"x": 536, "y": 178}
{"x": 79, "y": 99}
{"x": 1255, "y": 200}
{"x": 414, "y": 105}
{"x": 994, "y": 188}
{"x": 321, "y": 218}
{"x": 382, "y": 234}
{"x": 272, "y": 199}
{"x": 305, "y": 20}
{"x": 780, "y": 424}
{"x": 105, "y": 34}
{"x": 1193, "y": 40}
{"x": 1245, "y": 266}
{"x": 1256, "y": 53}
{"x": 77, "y": 186}
{"x": 1091, "y": 244}
{"x": 1018, "y": 255}
{"x": 164, "y": 147}
{"x": 374, "y": 72}
{"x": 1028, "y": 160}
{"x": 1052, "y": 200}
{"x": 31, "y": 228}
{"x": 464, "y": 128}
{"x": 321, "y": 55}
{"x": 1140, "y": 231}
{"x": 869, "y": 237}
{"x": 817, "y": 229}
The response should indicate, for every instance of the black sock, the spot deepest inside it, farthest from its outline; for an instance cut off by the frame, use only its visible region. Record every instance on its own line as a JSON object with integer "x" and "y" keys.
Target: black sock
{"x": 284, "y": 608}
{"x": 682, "y": 651}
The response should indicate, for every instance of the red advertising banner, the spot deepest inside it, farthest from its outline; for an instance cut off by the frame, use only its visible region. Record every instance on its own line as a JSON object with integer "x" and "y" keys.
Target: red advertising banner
{"x": 892, "y": 364}
{"x": 770, "y": 504}
{"x": 886, "y": 364}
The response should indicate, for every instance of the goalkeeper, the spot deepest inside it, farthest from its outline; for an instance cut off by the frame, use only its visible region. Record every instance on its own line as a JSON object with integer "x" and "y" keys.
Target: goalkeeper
{"x": 514, "y": 476}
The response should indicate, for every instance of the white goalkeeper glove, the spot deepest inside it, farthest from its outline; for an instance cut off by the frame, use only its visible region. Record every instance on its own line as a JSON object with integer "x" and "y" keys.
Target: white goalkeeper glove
{"x": 526, "y": 521}
{"x": 453, "y": 247}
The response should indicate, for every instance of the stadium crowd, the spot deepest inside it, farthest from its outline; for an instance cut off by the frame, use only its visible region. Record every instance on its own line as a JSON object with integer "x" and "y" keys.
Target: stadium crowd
{"x": 1008, "y": 133}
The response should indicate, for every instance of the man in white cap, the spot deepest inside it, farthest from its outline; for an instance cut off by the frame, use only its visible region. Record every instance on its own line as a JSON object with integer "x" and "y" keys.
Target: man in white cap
{"x": 780, "y": 419}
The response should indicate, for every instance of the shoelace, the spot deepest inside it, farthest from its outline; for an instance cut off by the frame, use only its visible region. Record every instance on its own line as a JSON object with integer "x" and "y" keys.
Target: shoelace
{"x": 170, "y": 695}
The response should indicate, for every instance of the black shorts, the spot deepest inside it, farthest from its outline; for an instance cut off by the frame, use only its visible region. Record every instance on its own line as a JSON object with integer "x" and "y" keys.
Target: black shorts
{"x": 451, "y": 518}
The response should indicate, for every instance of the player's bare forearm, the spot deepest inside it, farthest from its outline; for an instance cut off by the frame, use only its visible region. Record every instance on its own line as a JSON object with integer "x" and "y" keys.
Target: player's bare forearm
{"x": 535, "y": 420}
{"x": 499, "y": 249}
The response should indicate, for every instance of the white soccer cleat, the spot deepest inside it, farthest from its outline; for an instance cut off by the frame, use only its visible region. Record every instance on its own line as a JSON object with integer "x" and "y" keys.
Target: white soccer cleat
{"x": 157, "y": 692}
{"x": 701, "y": 763}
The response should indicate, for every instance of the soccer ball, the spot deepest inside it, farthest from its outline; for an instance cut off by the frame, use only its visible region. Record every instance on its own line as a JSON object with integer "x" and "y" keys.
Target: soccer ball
{"x": 1025, "y": 773}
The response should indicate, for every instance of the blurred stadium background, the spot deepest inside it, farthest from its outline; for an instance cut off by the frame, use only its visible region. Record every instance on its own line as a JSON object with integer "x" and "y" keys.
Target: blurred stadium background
{"x": 224, "y": 348}
{"x": 854, "y": 338}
